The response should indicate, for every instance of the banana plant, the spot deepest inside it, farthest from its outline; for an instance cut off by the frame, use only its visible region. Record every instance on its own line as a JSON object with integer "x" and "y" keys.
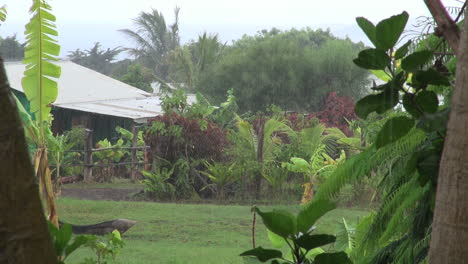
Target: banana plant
{"x": 261, "y": 145}
{"x": 41, "y": 90}
{"x": 3, "y": 13}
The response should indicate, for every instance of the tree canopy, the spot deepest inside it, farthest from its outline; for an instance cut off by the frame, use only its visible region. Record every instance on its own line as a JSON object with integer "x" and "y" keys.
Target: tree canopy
{"x": 294, "y": 69}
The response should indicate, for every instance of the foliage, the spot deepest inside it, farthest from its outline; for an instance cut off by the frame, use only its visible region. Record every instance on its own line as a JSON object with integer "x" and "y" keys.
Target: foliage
{"x": 63, "y": 245}
{"x": 3, "y": 13}
{"x": 41, "y": 90}
{"x": 173, "y": 136}
{"x": 292, "y": 69}
{"x": 221, "y": 176}
{"x": 139, "y": 77}
{"x": 106, "y": 248}
{"x": 113, "y": 153}
{"x": 58, "y": 156}
{"x": 155, "y": 40}
{"x": 296, "y": 232}
{"x": 338, "y": 111}
{"x": 406, "y": 150}
{"x": 157, "y": 183}
{"x": 194, "y": 59}
{"x": 96, "y": 58}
{"x": 41, "y": 51}
{"x": 11, "y": 48}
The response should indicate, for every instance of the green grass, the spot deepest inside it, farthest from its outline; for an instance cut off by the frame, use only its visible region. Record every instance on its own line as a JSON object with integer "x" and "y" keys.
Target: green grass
{"x": 182, "y": 233}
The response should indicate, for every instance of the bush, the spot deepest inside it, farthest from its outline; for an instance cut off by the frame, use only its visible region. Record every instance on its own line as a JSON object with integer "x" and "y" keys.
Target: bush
{"x": 337, "y": 112}
{"x": 173, "y": 136}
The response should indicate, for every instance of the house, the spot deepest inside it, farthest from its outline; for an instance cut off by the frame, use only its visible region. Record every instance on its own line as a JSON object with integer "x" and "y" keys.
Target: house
{"x": 92, "y": 100}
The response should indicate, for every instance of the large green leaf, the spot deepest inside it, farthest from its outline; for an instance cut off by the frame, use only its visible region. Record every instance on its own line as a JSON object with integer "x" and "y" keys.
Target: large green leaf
{"x": 280, "y": 222}
{"x": 368, "y": 28}
{"x": 41, "y": 50}
{"x": 427, "y": 101}
{"x": 309, "y": 242}
{"x": 388, "y": 31}
{"x": 332, "y": 258}
{"x": 401, "y": 51}
{"x": 276, "y": 240}
{"x": 421, "y": 103}
{"x": 394, "y": 129}
{"x": 377, "y": 102}
{"x": 429, "y": 77}
{"x": 263, "y": 254}
{"x": 372, "y": 59}
{"x": 311, "y": 213}
{"x": 413, "y": 62}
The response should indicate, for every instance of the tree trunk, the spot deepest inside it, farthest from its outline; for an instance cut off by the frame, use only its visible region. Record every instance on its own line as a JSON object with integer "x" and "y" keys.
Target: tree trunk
{"x": 261, "y": 140}
{"x": 449, "y": 238}
{"x": 24, "y": 236}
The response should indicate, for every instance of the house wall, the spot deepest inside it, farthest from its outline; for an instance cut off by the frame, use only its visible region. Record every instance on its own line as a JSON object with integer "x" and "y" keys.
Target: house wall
{"x": 103, "y": 126}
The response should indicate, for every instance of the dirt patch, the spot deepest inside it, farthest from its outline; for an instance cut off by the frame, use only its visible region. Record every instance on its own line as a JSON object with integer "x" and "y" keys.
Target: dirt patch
{"x": 100, "y": 193}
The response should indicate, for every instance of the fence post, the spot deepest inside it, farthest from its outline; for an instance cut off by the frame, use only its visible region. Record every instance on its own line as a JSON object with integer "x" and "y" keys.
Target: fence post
{"x": 134, "y": 174}
{"x": 88, "y": 158}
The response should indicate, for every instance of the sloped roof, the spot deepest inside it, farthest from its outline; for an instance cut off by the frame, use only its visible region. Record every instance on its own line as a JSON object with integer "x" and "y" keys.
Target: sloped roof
{"x": 86, "y": 90}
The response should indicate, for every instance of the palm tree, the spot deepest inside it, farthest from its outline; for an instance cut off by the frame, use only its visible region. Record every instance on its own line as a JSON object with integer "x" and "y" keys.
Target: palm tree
{"x": 154, "y": 40}
{"x": 192, "y": 60}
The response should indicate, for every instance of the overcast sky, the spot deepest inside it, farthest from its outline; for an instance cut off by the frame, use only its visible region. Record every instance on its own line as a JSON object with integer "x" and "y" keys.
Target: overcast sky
{"x": 83, "y": 22}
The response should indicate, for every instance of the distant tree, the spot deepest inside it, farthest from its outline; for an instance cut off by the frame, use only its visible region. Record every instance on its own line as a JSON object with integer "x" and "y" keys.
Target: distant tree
{"x": 139, "y": 77}
{"x": 11, "y": 48}
{"x": 195, "y": 58}
{"x": 293, "y": 69}
{"x": 154, "y": 40}
{"x": 96, "y": 58}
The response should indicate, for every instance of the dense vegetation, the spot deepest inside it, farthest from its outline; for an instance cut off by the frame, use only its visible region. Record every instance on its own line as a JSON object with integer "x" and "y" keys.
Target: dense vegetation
{"x": 387, "y": 147}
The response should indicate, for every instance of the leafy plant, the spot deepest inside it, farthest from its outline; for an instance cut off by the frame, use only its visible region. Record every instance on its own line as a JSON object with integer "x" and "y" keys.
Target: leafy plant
{"x": 296, "y": 232}
{"x": 157, "y": 183}
{"x": 221, "y": 176}
{"x": 62, "y": 240}
{"x": 337, "y": 112}
{"x": 106, "y": 248}
{"x": 406, "y": 150}
{"x": 40, "y": 88}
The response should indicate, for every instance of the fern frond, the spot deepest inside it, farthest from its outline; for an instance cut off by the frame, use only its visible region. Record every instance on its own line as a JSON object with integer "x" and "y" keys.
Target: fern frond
{"x": 403, "y": 146}
{"x": 399, "y": 214}
{"x": 40, "y": 52}
{"x": 351, "y": 170}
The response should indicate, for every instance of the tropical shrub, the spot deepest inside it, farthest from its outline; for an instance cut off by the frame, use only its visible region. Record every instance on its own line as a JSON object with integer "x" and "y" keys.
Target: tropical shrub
{"x": 337, "y": 112}
{"x": 221, "y": 177}
{"x": 106, "y": 248}
{"x": 173, "y": 136}
{"x": 407, "y": 148}
{"x": 157, "y": 183}
{"x": 297, "y": 233}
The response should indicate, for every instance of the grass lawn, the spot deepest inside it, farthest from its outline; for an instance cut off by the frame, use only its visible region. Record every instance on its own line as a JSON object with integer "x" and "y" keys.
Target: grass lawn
{"x": 182, "y": 233}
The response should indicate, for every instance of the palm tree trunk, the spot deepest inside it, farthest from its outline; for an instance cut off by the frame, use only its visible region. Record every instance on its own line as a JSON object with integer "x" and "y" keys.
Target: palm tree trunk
{"x": 449, "y": 238}
{"x": 24, "y": 237}
{"x": 261, "y": 140}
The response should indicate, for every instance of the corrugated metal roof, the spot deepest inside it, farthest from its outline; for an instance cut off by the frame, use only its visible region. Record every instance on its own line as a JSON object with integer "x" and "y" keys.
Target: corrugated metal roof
{"x": 86, "y": 90}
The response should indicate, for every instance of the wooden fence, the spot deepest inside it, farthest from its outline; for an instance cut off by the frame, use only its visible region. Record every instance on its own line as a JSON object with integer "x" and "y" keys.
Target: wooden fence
{"x": 88, "y": 163}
